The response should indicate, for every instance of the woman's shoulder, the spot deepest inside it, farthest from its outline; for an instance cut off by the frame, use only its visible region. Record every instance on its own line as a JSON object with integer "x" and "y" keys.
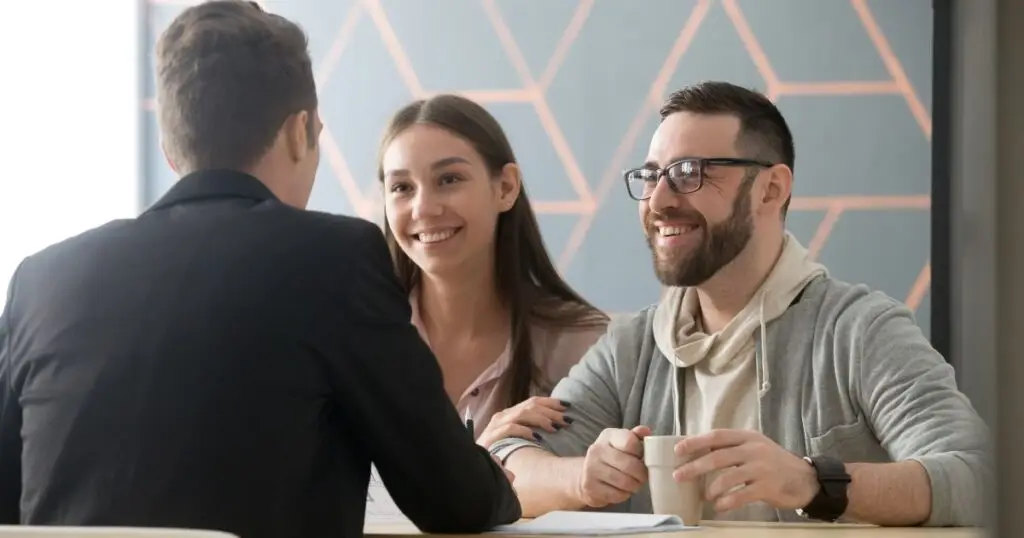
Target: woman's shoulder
{"x": 557, "y": 347}
{"x": 548, "y": 336}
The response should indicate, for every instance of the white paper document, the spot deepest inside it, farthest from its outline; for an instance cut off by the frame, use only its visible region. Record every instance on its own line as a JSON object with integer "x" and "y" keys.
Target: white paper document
{"x": 380, "y": 508}
{"x": 595, "y": 524}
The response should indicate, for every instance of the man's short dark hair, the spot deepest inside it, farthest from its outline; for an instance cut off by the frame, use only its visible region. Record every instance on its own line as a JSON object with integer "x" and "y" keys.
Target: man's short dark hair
{"x": 228, "y": 76}
{"x": 764, "y": 133}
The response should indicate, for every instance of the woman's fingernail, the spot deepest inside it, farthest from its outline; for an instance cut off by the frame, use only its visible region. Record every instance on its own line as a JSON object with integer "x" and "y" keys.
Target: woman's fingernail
{"x": 538, "y": 437}
{"x": 565, "y": 403}
{"x": 568, "y": 420}
{"x": 556, "y": 426}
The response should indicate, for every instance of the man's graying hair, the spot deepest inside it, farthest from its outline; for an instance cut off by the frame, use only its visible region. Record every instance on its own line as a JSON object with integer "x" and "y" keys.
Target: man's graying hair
{"x": 228, "y": 75}
{"x": 764, "y": 134}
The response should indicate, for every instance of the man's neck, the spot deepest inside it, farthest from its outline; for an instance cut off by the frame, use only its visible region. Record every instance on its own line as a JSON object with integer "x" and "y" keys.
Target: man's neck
{"x": 730, "y": 290}
{"x": 283, "y": 187}
{"x": 466, "y": 305}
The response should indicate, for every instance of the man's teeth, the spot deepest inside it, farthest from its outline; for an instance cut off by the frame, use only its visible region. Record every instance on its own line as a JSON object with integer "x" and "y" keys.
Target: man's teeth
{"x": 435, "y": 237}
{"x": 667, "y": 231}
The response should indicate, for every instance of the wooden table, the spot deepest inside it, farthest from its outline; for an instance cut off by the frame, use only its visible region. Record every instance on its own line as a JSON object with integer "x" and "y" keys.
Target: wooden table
{"x": 752, "y": 530}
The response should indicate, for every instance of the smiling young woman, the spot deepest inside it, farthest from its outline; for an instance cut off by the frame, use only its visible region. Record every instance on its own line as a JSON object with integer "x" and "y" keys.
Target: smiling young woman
{"x": 486, "y": 297}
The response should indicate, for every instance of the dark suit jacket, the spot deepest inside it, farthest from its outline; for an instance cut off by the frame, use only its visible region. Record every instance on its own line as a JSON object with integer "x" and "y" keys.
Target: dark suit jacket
{"x": 225, "y": 361}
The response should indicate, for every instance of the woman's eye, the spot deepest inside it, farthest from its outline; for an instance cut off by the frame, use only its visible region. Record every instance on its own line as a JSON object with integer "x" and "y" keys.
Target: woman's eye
{"x": 399, "y": 188}
{"x": 448, "y": 178}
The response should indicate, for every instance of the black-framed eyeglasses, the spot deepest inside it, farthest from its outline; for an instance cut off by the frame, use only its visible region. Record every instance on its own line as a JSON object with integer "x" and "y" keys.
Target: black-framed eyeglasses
{"x": 684, "y": 176}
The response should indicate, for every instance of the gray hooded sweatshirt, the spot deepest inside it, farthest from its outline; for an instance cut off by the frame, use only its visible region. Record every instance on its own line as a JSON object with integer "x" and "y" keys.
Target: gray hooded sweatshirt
{"x": 842, "y": 371}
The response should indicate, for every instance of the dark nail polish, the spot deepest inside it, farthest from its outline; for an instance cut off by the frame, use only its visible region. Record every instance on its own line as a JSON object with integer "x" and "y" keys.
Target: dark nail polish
{"x": 565, "y": 403}
{"x": 538, "y": 437}
{"x": 556, "y": 426}
{"x": 568, "y": 420}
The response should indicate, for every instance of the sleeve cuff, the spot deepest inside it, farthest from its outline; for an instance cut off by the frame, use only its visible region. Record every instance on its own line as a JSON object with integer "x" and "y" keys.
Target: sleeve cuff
{"x": 506, "y": 447}
{"x": 957, "y": 489}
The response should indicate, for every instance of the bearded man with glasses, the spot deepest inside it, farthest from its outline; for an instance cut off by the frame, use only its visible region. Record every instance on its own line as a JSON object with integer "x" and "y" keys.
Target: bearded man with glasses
{"x": 800, "y": 396}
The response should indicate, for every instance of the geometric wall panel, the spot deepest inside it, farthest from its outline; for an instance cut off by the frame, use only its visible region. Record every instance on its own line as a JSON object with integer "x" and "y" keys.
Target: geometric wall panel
{"x": 576, "y": 84}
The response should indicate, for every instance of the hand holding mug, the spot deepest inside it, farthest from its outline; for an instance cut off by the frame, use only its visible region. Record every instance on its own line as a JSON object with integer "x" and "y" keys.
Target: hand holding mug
{"x": 751, "y": 468}
{"x": 613, "y": 469}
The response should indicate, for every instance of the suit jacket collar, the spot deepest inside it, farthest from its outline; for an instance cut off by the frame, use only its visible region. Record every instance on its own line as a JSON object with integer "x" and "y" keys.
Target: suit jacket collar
{"x": 208, "y": 184}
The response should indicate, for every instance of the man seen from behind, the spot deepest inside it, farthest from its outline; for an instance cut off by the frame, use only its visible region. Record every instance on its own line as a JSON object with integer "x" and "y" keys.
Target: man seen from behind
{"x": 228, "y": 360}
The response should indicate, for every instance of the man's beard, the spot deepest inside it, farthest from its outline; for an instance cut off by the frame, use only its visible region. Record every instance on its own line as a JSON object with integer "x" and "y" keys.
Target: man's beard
{"x": 720, "y": 244}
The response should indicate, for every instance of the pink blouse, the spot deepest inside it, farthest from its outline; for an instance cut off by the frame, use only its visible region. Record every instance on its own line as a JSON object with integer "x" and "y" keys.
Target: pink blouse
{"x": 555, "y": 350}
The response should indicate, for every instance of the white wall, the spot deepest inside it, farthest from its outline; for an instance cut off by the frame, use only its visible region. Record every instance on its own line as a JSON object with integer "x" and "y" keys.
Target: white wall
{"x": 69, "y": 121}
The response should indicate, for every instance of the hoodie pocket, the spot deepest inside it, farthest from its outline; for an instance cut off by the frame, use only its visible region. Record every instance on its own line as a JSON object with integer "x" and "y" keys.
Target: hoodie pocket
{"x": 850, "y": 443}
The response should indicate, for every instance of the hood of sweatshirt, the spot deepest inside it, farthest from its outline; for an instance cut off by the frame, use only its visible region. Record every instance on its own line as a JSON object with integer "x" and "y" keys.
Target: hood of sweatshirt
{"x": 682, "y": 340}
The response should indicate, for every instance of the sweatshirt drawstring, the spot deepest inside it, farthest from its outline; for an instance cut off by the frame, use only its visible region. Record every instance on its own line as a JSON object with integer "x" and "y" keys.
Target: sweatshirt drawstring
{"x": 676, "y": 420}
{"x": 766, "y": 383}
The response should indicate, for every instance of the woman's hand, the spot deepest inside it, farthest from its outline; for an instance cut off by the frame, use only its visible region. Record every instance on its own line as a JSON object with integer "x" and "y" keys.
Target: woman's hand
{"x": 547, "y": 414}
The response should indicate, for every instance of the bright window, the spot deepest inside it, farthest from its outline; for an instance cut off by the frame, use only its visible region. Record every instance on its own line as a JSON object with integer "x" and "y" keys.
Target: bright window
{"x": 70, "y": 107}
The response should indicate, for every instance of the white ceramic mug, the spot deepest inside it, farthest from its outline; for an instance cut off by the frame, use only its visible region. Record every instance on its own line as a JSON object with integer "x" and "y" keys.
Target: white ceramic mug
{"x": 668, "y": 496}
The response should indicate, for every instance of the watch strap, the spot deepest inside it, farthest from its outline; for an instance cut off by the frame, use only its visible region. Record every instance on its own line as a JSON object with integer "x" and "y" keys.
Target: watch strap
{"x": 831, "y": 501}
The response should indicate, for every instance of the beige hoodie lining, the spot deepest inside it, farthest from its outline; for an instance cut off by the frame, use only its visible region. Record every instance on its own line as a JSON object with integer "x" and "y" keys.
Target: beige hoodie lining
{"x": 684, "y": 344}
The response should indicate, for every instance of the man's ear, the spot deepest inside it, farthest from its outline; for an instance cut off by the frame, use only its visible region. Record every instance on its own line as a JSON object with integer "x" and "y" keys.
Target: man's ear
{"x": 167, "y": 157}
{"x": 509, "y": 185}
{"x": 296, "y": 133}
{"x": 778, "y": 187}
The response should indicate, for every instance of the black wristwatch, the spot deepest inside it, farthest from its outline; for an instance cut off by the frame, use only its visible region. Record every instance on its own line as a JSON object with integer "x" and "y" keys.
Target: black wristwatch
{"x": 831, "y": 501}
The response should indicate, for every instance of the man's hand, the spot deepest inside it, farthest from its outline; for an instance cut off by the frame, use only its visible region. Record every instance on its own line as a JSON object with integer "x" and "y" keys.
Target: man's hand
{"x": 753, "y": 468}
{"x": 613, "y": 469}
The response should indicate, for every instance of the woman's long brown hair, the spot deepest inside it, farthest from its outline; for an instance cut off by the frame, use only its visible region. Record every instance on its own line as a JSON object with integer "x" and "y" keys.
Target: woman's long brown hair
{"x": 527, "y": 280}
